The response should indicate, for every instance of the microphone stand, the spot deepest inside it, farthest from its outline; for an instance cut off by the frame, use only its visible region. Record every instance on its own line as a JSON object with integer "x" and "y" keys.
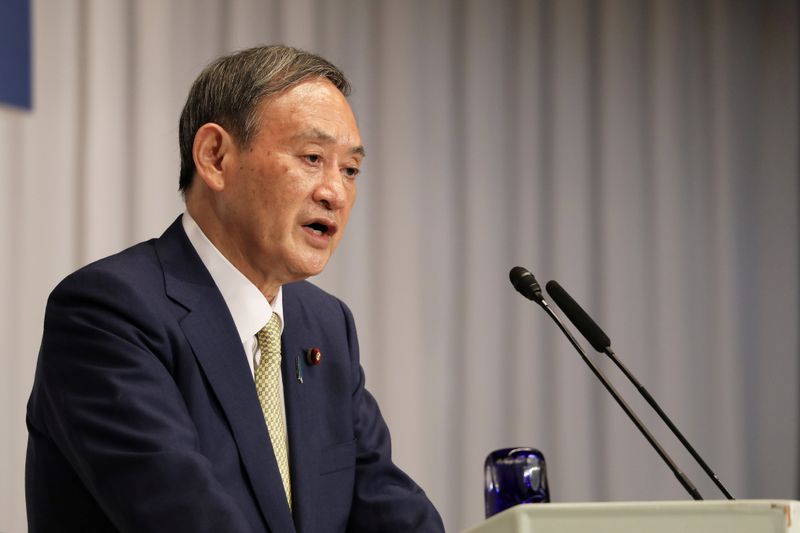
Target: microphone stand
{"x": 600, "y": 342}
{"x": 657, "y": 408}
{"x": 536, "y": 295}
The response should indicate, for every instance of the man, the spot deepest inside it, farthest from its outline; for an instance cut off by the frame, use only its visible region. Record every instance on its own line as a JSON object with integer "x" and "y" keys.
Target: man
{"x": 194, "y": 382}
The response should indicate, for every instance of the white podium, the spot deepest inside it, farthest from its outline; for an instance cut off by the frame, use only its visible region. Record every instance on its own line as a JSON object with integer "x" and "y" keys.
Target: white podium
{"x": 740, "y": 516}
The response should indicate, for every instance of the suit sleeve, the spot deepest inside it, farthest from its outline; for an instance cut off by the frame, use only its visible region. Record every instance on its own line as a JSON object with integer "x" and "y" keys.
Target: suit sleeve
{"x": 104, "y": 401}
{"x": 385, "y": 499}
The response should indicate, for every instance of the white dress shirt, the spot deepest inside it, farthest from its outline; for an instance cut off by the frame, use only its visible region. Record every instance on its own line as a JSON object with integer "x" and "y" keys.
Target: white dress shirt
{"x": 249, "y": 308}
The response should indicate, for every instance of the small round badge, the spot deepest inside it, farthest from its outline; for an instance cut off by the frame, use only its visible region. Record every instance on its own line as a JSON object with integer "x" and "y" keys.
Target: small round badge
{"x": 313, "y": 356}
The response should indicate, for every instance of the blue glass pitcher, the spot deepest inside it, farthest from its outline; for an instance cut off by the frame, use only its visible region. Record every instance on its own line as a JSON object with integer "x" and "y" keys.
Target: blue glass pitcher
{"x": 514, "y": 476}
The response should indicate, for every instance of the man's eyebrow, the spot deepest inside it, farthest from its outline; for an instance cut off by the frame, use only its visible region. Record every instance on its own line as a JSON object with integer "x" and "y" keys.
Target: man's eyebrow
{"x": 319, "y": 135}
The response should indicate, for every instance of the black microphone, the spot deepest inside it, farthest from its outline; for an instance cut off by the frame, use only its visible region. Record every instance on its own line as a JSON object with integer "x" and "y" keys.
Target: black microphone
{"x": 600, "y": 342}
{"x": 527, "y": 285}
{"x": 588, "y": 328}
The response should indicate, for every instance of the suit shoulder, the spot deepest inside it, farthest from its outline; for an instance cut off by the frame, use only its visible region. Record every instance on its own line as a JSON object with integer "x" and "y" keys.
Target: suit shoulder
{"x": 307, "y": 291}
{"x": 308, "y": 295}
{"x": 136, "y": 267}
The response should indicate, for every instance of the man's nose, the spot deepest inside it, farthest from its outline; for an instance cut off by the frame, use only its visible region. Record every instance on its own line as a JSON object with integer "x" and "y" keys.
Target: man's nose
{"x": 331, "y": 191}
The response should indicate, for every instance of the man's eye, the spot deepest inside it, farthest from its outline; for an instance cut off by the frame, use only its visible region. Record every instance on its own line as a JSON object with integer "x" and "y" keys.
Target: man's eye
{"x": 350, "y": 172}
{"x": 313, "y": 158}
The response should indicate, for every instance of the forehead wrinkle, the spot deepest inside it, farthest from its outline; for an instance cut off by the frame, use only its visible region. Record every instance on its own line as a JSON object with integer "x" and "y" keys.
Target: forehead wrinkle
{"x": 316, "y": 134}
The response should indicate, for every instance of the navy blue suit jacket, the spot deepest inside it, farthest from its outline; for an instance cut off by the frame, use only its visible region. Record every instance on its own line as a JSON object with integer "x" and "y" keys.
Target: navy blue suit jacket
{"x": 144, "y": 415}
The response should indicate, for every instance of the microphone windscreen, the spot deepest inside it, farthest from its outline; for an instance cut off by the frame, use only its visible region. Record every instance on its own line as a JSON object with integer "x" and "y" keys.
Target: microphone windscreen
{"x": 522, "y": 280}
{"x": 575, "y": 313}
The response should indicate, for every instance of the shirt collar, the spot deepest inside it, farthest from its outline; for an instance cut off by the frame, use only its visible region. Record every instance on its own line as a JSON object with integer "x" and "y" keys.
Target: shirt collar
{"x": 248, "y": 306}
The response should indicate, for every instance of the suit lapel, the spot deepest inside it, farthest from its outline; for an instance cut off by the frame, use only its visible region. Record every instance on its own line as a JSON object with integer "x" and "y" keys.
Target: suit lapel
{"x": 304, "y": 442}
{"x": 211, "y": 332}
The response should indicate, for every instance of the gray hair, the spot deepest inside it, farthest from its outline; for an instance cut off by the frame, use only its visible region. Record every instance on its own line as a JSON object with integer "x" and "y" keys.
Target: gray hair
{"x": 229, "y": 91}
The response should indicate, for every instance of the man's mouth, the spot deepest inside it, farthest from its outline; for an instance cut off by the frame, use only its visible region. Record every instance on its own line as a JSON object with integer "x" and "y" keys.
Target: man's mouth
{"x": 320, "y": 227}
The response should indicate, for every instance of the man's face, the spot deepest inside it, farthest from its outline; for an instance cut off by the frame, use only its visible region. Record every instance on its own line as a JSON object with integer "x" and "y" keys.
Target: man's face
{"x": 287, "y": 196}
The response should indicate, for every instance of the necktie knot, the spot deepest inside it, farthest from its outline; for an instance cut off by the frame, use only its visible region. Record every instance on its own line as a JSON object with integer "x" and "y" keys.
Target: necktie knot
{"x": 269, "y": 341}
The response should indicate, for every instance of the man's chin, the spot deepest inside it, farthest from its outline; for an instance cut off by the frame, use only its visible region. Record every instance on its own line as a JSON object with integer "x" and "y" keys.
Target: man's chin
{"x": 309, "y": 268}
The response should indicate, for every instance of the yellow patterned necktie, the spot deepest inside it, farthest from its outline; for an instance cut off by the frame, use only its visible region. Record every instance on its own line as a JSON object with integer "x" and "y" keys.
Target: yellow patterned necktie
{"x": 268, "y": 374}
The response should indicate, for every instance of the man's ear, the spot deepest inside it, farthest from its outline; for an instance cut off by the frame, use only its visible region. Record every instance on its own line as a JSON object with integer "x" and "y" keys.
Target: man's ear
{"x": 212, "y": 144}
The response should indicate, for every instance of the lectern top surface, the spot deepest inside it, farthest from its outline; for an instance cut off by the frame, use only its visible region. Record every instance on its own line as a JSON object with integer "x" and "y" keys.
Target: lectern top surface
{"x": 739, "y": 516}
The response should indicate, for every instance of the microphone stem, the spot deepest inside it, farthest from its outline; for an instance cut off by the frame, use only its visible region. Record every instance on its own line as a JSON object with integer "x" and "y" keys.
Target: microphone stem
{"x": 690, "y": 488}
{"x": 657, "y": 408}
